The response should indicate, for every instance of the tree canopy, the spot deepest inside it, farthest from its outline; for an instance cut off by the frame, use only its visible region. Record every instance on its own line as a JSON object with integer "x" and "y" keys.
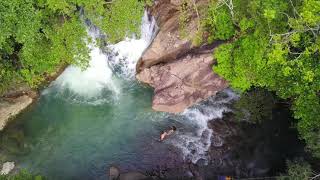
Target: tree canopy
{"x": 272, "y": 44}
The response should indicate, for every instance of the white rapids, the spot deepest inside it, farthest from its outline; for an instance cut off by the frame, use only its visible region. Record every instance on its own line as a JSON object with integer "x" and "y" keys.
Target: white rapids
{"x": 195, "y": 142}
{"x": 127, "y": 52}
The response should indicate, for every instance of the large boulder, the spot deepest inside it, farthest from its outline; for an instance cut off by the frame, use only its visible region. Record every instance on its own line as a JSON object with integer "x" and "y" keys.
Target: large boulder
{"x": 180, "y": 73}
{"x": 180, "y": 84}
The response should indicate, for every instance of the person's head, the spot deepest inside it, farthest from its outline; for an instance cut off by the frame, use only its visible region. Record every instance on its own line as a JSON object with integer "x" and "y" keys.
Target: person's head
{"x": 162, "y": 132}
{"x": 174, "y": 128}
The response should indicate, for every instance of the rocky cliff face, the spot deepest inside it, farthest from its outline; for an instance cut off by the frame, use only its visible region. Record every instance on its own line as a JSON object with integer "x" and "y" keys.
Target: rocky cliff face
{"x": 179, "y": 72}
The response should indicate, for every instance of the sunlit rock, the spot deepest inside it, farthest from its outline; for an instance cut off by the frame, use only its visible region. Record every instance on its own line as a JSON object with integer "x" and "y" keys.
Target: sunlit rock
{"x": 11, "y": 107}
{"x": 180, "y": 84}
{"x": 179, "y": 71}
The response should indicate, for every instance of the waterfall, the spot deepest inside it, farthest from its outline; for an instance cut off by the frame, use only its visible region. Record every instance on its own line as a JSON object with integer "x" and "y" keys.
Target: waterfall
{"x": 91, "y": 81}
{"x": 127, "y": 52}
{"x": 195, "y": 142}
{"x": 89, "y": 85}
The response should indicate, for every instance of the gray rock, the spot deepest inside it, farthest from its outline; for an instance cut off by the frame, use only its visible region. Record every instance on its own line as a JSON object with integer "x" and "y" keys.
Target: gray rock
{"x": 114, "y": 173}
{"x": 133, "y": 176}
{"x": 7, "y": 167}
{"x": 12, "y": 107}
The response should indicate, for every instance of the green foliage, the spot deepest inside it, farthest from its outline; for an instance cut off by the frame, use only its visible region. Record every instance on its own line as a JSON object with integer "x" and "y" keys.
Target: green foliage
{"x": 242, "y": 62}
{"x": 8, "y": 77}
{"x": 22, "y": 175}
{"x": 277, "y": 47}
{"x": 185, "y": 10}
{"x": 254, "y": 106}
{"x": 219, "y": 23}
{"x": 306, "y": 108}
{"x": 122, "y": 19}
{"x": 190, "y": 10}
{"x": 297, "y": 170}
{"x": 38, "y": 36}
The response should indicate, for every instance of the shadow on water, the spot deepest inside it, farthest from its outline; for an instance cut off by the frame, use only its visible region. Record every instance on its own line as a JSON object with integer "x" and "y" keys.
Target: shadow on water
{"x": 256, "y": 144}
{"x": 268, "y": 145}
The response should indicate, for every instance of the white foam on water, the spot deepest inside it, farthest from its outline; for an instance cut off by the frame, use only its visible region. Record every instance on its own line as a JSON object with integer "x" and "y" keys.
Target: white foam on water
{"x": 194, "y": 145}
{"x": 90, "y": 82}
{"x": 128, "y": 52}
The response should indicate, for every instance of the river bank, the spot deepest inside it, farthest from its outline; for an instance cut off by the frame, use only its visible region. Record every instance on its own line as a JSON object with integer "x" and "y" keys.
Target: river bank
{"x": 20, "y": 96}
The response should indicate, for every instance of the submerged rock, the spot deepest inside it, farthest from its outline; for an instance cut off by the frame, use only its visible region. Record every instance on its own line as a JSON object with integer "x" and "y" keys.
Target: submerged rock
{"x": 7, "y": 167}
{"x": 180, "y": 73}
{"x": 133, "y": 176}
{"x": 114, "y": 173}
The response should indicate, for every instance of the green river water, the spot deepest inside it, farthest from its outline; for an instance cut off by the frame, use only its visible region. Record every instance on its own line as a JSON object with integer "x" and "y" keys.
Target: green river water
{"x": 63, "y": 139}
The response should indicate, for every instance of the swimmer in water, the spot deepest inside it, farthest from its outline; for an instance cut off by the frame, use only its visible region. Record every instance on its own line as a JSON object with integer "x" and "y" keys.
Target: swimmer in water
{"x": 167, "y": 133}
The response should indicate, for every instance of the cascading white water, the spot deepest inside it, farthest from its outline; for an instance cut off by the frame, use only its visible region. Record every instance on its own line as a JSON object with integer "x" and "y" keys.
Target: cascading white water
{"x": 196, "y": 143}
{"x": 91, "y": 82}
{"x": 128, "y": 52}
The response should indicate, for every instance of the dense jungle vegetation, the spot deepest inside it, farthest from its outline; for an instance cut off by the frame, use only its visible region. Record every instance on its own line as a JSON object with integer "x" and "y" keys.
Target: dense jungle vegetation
{"x": 275, "y": 45}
